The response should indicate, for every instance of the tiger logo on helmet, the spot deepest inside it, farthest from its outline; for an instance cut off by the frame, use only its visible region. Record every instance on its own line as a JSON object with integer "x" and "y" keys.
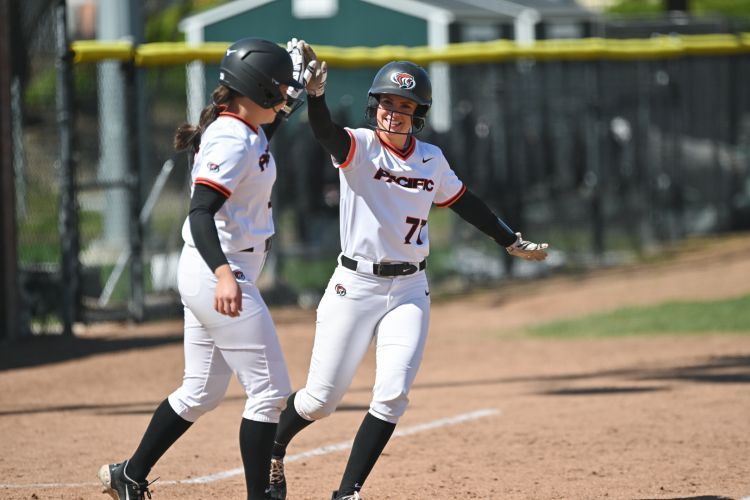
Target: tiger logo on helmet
{"x": 404, "y": 80}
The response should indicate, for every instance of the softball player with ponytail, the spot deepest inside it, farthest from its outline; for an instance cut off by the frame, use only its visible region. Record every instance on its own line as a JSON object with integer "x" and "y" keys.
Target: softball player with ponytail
{"x": 379, "y": 292}
{"x": 228, "y": 328}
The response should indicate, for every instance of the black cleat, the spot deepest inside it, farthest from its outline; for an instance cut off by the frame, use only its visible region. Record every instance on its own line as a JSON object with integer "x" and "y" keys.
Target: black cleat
{"x": 121, "y": 487}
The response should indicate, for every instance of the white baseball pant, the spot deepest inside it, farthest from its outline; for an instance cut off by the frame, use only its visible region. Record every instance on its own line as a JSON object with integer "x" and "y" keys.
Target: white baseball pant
{"x": 355, "y": 309}
{"x": 217, "y": 345}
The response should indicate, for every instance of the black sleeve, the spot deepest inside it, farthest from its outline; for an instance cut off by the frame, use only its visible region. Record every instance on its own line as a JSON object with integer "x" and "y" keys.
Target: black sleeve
{"x": 477, "y": 213}
{"x": 270, "y": 128}
{"x": 334, "y": 139}
{"x": 203, "y": 206}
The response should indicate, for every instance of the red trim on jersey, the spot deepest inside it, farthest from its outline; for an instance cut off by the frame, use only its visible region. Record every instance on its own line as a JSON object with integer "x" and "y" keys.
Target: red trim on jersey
{"x": 238, "y": 117}
{"x": 401, "y": 154}
{"x": 213, "y": 185}
{"x": 352, "y": 150}
{"x": 453, "y": 199}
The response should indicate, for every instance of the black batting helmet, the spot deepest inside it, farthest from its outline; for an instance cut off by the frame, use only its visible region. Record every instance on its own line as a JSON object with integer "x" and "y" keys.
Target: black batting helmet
{"x": 255, "y": 68}
{"x": 405, "y": 79}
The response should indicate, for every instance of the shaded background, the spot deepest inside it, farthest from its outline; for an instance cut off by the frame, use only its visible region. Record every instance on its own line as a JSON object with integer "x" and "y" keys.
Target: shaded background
{"x": 607, "y": 160}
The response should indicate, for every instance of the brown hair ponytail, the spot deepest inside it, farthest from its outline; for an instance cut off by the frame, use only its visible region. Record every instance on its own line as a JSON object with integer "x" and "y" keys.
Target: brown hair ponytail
{"x": 189, "y": 136}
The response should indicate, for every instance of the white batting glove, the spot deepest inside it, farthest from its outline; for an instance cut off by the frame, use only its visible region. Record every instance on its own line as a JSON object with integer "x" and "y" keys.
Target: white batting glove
{"x": 300, "y": 70}
{"x": 316, "y": 84}
{"x": 295, "y": 49}
{"x": 527, "y": 250}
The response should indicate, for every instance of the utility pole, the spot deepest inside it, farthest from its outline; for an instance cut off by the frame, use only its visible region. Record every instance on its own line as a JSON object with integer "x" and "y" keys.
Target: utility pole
{"x": 112, "y": 24}
{"x": 122, "y": 138}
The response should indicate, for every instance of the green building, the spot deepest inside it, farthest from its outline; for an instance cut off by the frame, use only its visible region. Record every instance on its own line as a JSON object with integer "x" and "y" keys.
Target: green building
{"x": 372, "y": 23}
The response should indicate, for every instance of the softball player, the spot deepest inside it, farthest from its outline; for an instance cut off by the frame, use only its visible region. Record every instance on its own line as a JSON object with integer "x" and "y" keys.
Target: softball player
{"x": 228, "y": 328}
{"x": 389, "y": 181}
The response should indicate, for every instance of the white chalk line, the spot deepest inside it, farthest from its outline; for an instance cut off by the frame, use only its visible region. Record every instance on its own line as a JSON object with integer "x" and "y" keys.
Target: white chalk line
{"x": 316, "y": 452}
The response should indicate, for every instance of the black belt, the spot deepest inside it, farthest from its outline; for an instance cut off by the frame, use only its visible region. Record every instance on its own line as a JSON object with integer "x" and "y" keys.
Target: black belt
{"x": 401, "y": 269}
{"x": 267, "y": 246}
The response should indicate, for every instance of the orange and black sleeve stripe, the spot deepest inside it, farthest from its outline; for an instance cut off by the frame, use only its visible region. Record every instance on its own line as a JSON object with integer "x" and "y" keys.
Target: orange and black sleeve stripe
{"x": 453, "y": 199}
{"x": 214, "y": 185}
{"x": 352, "y": 150}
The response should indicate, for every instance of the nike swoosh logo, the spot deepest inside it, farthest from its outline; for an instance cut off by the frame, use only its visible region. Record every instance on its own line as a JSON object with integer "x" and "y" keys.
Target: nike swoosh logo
{"x": 231, "y": 51}
{"x": 425, "y": 160}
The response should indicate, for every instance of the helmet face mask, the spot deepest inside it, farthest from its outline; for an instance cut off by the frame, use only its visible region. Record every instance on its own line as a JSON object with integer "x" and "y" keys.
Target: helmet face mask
{"x": 371, "y": 112}
{"x": 292, "y": 105}
{"x": 256, "y": 68}
{"x": 404, "y": 79}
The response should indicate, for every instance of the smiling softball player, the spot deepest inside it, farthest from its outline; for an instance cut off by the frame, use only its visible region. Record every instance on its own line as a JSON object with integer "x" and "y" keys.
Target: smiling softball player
{"x": 379, "y": 292}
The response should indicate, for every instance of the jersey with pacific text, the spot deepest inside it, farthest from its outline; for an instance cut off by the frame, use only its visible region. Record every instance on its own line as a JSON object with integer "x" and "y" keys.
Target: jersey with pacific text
{"x": 386, "y": 196}
{"x": 234, "y": 160}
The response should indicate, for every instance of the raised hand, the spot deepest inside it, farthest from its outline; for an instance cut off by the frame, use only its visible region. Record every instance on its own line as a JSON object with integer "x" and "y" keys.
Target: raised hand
{"x": 316, "y": 83}
{"x": 302, "y": 71}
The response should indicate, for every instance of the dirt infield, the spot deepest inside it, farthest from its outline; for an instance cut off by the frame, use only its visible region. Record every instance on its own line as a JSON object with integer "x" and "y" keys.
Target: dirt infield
{"x": 494, "y": 414}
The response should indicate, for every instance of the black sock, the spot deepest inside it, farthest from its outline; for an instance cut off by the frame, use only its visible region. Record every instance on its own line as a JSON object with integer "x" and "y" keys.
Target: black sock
{"x": 371, "y": 438}
{"x": 256, "y": 440}
{"x": 164, "y": 429}
{"x": 290, "y": 424}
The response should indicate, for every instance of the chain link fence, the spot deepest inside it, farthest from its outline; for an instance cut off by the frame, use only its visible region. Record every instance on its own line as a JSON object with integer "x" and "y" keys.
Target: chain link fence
{"x": 36, "y": 162}
{"x": 604, "y": 159}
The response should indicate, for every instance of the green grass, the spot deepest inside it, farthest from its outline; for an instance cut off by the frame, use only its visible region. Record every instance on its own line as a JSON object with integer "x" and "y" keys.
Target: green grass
{"x": 731, "y": 315}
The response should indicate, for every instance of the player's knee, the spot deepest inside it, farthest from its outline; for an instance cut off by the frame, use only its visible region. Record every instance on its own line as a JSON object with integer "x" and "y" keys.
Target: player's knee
{"x": 314, "y": 407}
{"x": 264, "y": 410}
{"x": 390, "y": 409}
{"x": 192, "y": 407}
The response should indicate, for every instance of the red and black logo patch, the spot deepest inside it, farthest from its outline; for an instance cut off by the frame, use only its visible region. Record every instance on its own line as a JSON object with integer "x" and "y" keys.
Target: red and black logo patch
{"x": 239, "y": 274}
{"x": 340, "y": 290}
{"x": 213, "y": 167}
{"x": 263, "y": 160}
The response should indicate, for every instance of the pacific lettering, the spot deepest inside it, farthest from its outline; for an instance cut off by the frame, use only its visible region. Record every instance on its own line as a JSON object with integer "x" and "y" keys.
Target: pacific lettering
{"x": 407, "y": 182}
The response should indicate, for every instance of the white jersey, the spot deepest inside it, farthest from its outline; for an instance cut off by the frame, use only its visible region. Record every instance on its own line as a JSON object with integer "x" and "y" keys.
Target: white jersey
{"x": 234, "y": 160}
{"x": 386, "y": 197}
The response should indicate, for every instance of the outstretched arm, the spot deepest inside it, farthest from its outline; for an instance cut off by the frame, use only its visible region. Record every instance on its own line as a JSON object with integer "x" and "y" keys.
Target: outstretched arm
{"x": 477, "y": 213}
{"x": 334, "y": 139}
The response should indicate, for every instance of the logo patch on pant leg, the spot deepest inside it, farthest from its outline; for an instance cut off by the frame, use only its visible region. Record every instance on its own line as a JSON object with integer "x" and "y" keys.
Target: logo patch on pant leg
{"x": 340, "y": 290}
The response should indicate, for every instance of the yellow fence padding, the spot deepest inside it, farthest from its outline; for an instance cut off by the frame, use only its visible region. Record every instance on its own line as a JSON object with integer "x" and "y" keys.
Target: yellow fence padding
{"x": 659, "y": 47}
